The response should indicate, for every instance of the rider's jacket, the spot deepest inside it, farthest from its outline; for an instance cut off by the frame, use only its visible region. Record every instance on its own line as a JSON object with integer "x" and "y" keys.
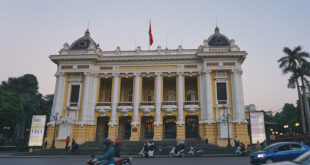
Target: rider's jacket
{"x": 108, "y": 155}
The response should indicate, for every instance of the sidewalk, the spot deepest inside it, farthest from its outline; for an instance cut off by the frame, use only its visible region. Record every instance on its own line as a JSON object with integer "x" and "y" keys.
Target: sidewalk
{"x": 12, "y": 155}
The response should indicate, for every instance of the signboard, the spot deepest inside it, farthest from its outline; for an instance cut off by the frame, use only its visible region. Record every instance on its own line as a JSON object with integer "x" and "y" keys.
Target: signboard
{"x": 257, "y": 127}
{"x": 37, "y": 130}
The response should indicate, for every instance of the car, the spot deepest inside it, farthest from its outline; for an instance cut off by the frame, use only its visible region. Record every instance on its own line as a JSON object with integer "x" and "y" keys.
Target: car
{"x": 282, "y": 151}
{"x": 303, "y": 159}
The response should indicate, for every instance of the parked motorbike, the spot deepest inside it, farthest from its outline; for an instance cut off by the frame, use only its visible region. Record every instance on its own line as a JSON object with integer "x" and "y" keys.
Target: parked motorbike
{"x": 147, "y": 150}
{"x": 117, "y": 161}
{"x": 178, "y": 150}
{"x": 195, "y": 152}
{"x": 241, "y": 151}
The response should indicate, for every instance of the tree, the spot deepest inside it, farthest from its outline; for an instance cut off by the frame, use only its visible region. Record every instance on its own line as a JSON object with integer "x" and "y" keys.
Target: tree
{"x": 295, "y": 62}
{"x": 23, "y": 91}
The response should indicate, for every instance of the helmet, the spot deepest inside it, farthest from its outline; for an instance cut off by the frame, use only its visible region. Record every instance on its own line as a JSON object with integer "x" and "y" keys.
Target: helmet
{"x": 107, "y": 142}
{"x": 117, "y": 141}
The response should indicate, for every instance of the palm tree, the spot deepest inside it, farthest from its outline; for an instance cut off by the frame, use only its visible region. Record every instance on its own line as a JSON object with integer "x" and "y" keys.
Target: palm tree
{"x": 295, "y": 62}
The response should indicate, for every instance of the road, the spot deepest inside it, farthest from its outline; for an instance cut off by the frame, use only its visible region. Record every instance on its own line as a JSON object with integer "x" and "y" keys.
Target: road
{"x": 136, "y": 161}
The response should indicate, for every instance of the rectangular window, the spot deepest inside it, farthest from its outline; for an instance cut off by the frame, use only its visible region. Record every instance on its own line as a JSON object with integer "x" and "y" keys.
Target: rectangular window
{"x": 74, "y": 97}
{"x": 221, "y": 93}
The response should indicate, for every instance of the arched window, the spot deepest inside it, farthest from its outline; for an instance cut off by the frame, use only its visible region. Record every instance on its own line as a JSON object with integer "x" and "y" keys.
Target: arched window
{"x": 171, "y": 95}
{"x": 190, "y": 95}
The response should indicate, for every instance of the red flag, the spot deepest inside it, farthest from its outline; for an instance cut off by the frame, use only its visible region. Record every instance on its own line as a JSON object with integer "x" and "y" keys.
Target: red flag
{"x": 150, "y": 35}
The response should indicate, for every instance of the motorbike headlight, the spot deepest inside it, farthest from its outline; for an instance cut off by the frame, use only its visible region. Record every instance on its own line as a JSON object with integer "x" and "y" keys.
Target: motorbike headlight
{"x": 260, "y": 155}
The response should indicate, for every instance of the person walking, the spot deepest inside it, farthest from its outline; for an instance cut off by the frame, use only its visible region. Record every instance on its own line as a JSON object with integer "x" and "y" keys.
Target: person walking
{"x": 73, "y": 145}
{"x": 236, "y": 141}
{"x": 67, "y": 143}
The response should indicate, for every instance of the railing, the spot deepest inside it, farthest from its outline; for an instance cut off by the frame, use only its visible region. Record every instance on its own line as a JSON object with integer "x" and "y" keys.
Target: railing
{"x": 147, "y": 103}
{"x": 104, "y": 104}
{"x": 125, "y": 104}
{"x": 191, "y": 103}
{"x": 73, "y": 104}
{"x": 169, "y": 103}
{"x": 221, "y": 101}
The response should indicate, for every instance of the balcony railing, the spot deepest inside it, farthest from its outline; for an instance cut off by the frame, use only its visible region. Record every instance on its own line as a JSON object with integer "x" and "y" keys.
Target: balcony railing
{"x": 169, "y": 103}
{"x": 73, "y": 104}
{"x": 191, "y": 103}
{"x": 222, "y": 101}
{"x": 147, "y": 103}
{"x": 125, "y": 104}
{"x": 104, "y": 104}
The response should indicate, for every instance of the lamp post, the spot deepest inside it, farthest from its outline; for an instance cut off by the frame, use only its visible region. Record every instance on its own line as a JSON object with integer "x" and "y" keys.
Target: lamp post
{"x": 55, "y": 119}
{"x": 226, "y": 117}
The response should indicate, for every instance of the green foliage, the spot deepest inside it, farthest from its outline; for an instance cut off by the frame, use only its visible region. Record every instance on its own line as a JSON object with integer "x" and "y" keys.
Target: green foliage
{"x": 288, "y": 116}
{"x": 20, "y": 100}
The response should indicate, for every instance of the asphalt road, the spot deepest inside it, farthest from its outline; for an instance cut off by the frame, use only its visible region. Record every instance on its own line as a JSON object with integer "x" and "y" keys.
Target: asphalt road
{"x": 136, "y": 161}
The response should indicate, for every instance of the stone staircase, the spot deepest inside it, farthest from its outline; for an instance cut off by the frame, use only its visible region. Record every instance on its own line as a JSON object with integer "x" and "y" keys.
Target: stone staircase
{"x": 162, "y": 147}
{"x": 133, "y": 148}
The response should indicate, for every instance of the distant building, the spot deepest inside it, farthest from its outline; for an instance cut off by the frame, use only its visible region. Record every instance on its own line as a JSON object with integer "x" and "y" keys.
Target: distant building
{"x": 149, "y": 94}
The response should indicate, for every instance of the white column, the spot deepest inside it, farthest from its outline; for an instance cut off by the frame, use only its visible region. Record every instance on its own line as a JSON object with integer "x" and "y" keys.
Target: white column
{"x": 238, "y": 99}
{"x": 93, "y": 101}
{"x": 180, "y": 99}
{"x": 88, "y": 83}
{"x": 114, "y": 100}
{"x": 235, "y": 90}
{"x": 158, "y": 100}
{"x": 208, "y": 99}
{"x": 241, "y": 99}
{"x": 136, "y": 100}
{"x": 59, "y": 93}
{"x": 202, "y": 98}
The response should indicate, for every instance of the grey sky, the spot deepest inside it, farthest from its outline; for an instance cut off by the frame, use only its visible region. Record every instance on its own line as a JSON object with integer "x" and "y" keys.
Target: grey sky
{"x": 31, "y": 30}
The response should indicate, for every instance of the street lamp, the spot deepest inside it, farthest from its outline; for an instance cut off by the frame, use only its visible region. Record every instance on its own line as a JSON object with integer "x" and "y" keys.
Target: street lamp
{"x": 226, "y": 117}
{"x": 297, "y": 124}
{"x": 55, "y": 119}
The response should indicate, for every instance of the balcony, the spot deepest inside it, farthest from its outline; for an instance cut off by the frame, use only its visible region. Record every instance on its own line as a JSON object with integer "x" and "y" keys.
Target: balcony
{"x": 74, "y": 104}
{"x": 169, "y": 103}
{"x": 191, "y": 106}
{"x": 191, "y": 103}
{"x": 124, "y": 107}
{"x": 125, "y": 104}
{"x": 169, "y": 106}
{"x": 147, "y": 107}
{"x": 146, "y": 103}
{"x": 104, "y": 104}
{"x": 103, "y": 107}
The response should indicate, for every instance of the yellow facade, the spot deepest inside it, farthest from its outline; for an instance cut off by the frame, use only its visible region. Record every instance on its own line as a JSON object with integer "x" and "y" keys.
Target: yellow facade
{"x": 82, "y": 134}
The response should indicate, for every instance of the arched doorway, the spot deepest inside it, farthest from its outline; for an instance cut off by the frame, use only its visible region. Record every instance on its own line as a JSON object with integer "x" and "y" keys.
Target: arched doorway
{"x": 170, "y": 127}
{"x": 102, "y": 129}
{"x": 191, "y": 126}
{"x": 147, "y": 127}
{"x": 124, "y": 129}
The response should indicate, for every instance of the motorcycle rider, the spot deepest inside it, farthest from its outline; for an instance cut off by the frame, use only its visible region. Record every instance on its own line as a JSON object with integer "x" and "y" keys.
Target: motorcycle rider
{"x": 117, "y": 149}
{"x": 108, "y": 157}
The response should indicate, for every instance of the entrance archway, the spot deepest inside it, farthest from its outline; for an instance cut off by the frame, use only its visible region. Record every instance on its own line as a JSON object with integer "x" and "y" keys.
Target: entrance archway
{"x": 147, "y": 127}
{"x": 170, "y": 127}
{"x": 124, "y": 129}
{"x": 191, "y": 126}
{"x": 102, "y": 128}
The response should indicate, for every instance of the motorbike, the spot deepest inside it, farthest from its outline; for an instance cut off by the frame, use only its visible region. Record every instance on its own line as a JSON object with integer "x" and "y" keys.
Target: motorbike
{"x": 177, "y": 151}
{"x": 147, "y": 150}
{"x": 194, "y": 152}
{"x": 117, "y": 161}
{"x": 240, "y": 151}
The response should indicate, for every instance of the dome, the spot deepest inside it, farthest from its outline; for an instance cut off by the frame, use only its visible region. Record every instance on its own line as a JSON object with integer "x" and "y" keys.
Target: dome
{"x": 218, "y": 39}
{"x": 83, "y": 42}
